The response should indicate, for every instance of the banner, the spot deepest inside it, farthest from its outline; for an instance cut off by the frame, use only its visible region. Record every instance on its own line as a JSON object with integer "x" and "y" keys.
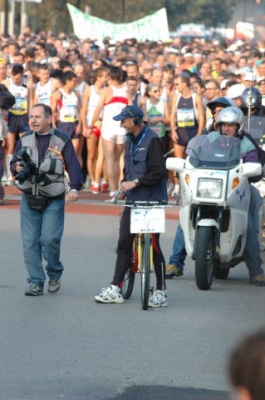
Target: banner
{"x": 244, "y": 30}
{"x": 26, "y": 1}
{"x": 153, "y": 27}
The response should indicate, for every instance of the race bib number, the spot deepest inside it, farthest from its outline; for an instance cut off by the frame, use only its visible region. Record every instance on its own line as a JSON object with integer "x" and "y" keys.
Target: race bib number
{"x": 20, "y": 107}
{"x": 69, "y": 114}
{"x": 186, "y": 117}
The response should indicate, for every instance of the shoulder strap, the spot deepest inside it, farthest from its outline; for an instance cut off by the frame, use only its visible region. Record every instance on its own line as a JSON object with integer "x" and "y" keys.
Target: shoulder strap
{"x": 194, "y": 106}
{"x": 177, "y": 100}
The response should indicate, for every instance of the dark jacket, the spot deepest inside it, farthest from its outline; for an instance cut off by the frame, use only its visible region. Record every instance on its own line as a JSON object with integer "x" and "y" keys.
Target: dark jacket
{"x": 144, "y": 160}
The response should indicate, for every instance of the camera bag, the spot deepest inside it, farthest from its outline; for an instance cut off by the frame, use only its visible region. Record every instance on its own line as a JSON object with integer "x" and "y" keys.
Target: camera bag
{"x": 38, "y": 203}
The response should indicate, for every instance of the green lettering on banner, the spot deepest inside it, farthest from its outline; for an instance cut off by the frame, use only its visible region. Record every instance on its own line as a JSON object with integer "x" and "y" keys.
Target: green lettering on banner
{"x": 152, "y": 27}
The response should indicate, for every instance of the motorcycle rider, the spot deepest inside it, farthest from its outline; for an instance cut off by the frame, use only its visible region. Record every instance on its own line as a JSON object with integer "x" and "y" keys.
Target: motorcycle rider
{"x": 216, "y": 105}
{"x": 230, "y": 122}
{"x": 252, "y": 98}
{"x": 177, "y": 258}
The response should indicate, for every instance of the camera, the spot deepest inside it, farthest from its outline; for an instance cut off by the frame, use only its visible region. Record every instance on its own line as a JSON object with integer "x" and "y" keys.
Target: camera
{"x": 29, "y": 167}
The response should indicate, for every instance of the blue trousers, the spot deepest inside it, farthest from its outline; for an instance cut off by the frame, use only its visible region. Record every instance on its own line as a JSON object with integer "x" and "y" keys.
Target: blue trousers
{"x": 41, "y": 233}
{"x": 252, "y": 248}
{"x": 2, "y": 156}
{"x": 178, "y": 256}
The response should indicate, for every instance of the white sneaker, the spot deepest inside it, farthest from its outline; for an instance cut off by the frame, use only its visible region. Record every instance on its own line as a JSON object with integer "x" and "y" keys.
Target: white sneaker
{"x": 158, "y": 299}
{"x": 110, "y": 295}
{"x": 176, "y": 190}
{"x": 112, "y": 197}
{"x": 170, "y": 188}
{"x": 10, "y": 182}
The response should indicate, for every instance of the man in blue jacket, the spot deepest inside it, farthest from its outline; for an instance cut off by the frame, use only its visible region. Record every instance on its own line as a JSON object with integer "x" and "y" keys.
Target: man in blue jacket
{"x": 144, "y": 180}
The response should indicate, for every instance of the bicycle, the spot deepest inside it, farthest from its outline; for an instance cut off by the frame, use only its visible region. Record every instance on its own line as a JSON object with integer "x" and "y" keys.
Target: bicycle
{"x": 147, "y": 218}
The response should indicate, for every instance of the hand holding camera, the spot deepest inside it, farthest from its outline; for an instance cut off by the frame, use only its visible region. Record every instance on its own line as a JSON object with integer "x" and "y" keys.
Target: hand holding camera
{"x": 25, "y": 167}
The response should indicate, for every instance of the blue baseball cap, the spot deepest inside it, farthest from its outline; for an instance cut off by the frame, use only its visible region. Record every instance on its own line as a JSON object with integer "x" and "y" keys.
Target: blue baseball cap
{"x": 129, "y": 112}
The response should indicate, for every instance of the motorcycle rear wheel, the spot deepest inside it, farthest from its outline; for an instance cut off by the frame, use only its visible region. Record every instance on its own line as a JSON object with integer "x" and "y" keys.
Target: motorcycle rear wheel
{"x": 204, "y": 261}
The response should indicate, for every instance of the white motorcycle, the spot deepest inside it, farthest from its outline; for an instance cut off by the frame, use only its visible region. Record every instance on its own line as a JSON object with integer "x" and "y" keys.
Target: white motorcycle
{"x": 215, "y": 197}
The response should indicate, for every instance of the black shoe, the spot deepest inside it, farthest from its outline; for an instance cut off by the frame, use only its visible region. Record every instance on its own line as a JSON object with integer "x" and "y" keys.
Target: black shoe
{"x": 54, "y": 285}
{"x": 258, "y": 280}
{"x": 34, "y": 290}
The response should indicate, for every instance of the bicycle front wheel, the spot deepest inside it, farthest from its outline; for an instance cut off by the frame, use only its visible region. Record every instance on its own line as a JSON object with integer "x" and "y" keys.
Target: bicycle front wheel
{"x": 145, "y": 270}
{"x": 128, "y": 283}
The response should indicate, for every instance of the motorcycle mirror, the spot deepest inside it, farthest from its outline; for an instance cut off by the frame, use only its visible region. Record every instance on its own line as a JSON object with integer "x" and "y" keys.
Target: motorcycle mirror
{"x": 175, "y": 164}
{"x": 251, "y": 169}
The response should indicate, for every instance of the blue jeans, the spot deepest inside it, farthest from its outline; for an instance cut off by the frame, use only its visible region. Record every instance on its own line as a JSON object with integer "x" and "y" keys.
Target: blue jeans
{"x": 254, "y": 207}
{"x": 178, "y": 256}
{"x": 41, "y": 233}
{"x": 252, "y": 248}
{"x": 2, "y": 156}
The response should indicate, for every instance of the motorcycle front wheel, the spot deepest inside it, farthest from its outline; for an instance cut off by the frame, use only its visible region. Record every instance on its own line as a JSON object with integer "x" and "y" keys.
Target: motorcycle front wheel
{"x": 204, "y": 261}
{"x": 220, "y": 273}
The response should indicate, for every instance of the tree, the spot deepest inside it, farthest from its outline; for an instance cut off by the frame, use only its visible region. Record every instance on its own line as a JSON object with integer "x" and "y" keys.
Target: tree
{"x": 214, "y": 13}
{"x": 54, "y": 15}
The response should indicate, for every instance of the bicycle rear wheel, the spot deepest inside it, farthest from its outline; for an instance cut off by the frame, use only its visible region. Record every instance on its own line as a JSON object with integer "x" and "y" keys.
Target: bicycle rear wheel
{"x": 145, "y": 270}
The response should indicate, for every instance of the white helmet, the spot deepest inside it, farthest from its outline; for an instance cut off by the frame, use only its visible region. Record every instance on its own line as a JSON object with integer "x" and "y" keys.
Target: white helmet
{"x": 231, "y": 115}
{"x": 235, "y": 91}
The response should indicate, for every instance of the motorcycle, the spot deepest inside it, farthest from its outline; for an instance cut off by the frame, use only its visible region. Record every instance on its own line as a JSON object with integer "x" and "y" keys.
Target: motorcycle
{"x": 215, "y": 196}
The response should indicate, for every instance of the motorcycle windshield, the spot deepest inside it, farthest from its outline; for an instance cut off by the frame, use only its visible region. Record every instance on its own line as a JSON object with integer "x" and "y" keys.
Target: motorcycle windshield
{"x": 214, "y": 151}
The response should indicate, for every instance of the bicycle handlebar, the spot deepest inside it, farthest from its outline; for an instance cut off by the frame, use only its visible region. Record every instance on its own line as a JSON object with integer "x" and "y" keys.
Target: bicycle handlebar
{"x": 143, "y": 204}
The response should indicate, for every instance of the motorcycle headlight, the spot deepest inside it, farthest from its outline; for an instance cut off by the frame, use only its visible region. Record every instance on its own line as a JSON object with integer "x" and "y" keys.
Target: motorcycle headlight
{"x": 210, "y": 188}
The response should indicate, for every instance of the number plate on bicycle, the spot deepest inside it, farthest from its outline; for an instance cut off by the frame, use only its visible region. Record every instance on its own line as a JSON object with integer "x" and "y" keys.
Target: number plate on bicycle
{"x": 147, "y": 220}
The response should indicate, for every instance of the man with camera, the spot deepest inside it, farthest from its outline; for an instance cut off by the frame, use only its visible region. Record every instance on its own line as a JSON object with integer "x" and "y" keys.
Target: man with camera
{"x": 41, "y": 157}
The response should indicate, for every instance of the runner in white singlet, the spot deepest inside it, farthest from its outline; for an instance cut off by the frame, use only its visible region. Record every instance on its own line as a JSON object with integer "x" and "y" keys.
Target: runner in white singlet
{"x": 66, "y": 107}
{"x": 95, "y": 156}
{"x": 45, "y": 87}
{"x": 17, "y": 115}
{"x": 114, "y": 98}
{"x": 110, "y": 129}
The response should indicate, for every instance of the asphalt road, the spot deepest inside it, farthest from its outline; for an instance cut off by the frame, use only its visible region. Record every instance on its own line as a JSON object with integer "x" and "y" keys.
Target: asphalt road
{"x": 66, "y": 346}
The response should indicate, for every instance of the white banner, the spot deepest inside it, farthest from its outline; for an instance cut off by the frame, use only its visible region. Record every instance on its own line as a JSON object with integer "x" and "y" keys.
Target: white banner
{"x": 153, "y": 27}
{"x": 244, "y": 30}
{"x": 26, "y": 1}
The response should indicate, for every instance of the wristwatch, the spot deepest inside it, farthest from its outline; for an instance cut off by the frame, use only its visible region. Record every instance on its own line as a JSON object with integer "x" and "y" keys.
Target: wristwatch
{"x": 73, "y": 190}
{"x": 136, "y": 181}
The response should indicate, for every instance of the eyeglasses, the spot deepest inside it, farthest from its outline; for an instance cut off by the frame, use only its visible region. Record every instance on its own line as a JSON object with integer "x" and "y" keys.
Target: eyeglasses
{"x": 216, "y": 112}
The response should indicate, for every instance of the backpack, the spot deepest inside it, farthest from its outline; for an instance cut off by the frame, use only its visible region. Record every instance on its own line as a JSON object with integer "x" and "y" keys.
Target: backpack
{"x": 7, "y": 100}
{"x": 3, "y": 127}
